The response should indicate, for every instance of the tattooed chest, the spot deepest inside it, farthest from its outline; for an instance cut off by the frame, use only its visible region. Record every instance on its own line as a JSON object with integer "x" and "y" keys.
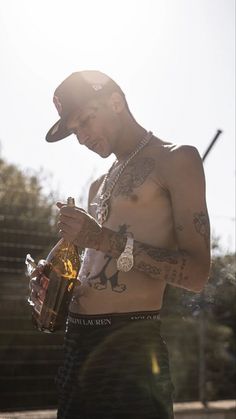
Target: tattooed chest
{"x": 134, "y": 188}
{"x": 135, "y": 179}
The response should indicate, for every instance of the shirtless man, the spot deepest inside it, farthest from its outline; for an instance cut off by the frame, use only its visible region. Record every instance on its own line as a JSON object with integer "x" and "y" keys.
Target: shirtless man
{"x": 146, "y": 226}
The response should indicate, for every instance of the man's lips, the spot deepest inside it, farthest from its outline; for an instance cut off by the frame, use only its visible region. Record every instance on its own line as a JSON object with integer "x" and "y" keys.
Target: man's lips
{"x": 92, "y": 146}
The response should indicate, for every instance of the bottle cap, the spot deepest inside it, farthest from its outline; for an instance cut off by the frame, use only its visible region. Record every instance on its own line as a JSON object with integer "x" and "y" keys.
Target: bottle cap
{"x": 70, "y": 201}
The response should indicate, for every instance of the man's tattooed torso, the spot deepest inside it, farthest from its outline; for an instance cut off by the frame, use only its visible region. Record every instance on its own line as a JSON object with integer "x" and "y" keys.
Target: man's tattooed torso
{"x": 142, "y": 205}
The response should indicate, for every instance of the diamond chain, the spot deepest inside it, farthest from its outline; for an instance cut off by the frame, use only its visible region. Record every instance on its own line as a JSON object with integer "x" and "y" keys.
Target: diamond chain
{"x": 103, "y": 208}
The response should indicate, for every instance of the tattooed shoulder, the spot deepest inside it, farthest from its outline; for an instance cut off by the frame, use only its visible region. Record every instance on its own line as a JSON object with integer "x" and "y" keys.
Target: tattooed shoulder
{"x": 202, "y": 226}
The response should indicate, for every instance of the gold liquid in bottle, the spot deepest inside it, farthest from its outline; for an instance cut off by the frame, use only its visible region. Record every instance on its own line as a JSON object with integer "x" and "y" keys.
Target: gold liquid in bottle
{"x": 58, "y": 279}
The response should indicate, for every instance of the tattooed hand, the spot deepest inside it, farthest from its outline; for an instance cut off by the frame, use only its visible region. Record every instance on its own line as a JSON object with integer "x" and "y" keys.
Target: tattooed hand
{"x": 79, "y": 227}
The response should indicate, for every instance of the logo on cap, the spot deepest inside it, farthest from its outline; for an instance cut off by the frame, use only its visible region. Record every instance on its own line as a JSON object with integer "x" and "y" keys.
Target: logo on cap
{"x": 97, "y": 86}
{"x": 58, "y": 104}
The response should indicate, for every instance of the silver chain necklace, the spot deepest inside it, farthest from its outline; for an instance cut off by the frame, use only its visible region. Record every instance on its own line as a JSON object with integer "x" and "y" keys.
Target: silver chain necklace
{"x": 102, "y": 211}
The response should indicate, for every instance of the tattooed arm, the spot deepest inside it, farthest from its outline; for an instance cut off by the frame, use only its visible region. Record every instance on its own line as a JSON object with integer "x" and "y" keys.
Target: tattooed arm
{"x": 188, "y": 266}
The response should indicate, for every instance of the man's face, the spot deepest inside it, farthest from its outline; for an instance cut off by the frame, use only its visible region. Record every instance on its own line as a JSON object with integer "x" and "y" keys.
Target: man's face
{"x": 95, "y": 126}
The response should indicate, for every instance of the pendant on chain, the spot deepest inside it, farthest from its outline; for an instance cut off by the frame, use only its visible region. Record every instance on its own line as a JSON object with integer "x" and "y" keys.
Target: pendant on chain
{"x": 102, "y": 211}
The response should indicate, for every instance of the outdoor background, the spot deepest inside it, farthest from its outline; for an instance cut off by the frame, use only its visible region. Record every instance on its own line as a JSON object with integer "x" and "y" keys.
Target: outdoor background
{"x": 175, "y": 60}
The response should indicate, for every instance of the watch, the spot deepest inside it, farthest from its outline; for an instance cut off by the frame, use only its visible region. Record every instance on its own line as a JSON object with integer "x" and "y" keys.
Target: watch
{"x": 125, "y": 262}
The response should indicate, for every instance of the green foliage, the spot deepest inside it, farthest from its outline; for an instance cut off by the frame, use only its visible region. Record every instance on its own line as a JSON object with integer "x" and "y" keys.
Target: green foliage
{"x": 200, "y": 330}
{"x": 21, "y": 195}
{"x": 27, "y": 217}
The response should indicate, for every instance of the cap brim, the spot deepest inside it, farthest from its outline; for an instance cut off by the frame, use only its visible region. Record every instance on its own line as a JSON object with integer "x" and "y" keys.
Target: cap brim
{"x": 58, "y": 131}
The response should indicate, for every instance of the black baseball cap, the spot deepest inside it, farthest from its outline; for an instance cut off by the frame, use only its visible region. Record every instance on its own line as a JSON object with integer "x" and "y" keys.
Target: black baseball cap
{"x": 73, "y": 93}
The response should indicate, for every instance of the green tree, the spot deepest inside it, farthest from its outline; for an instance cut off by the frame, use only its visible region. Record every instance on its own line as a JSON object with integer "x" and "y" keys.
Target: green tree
{"x": 220, "y": 296}
{"x": 27, "y": 217}
{"x": 201, "y": 329}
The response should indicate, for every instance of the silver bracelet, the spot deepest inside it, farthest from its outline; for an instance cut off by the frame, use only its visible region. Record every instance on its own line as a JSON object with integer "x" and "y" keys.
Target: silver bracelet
{"x": 125, "y": 262}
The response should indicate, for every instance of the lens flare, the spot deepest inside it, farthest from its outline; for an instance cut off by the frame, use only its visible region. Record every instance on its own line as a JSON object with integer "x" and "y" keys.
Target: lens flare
{"x": 154, "y": 362}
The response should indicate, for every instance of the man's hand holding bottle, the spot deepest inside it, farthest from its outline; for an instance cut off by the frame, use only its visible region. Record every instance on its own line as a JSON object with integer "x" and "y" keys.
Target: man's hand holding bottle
{"x": 38, "y": 283}
{"x": 79, "y": 227}
{"x": 52, "y": 280}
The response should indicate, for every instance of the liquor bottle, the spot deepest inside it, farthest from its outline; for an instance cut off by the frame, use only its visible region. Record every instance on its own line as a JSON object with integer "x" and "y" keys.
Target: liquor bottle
{"x": 57, "y": 280}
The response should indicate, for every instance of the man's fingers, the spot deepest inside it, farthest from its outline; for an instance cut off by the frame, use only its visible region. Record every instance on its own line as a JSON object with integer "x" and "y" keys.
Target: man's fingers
{"x": 37, "y": 272}
{"x": 67, "y": 228}
{"x": 37, "y": 297}
{"x": 60, "y": 204}
{"x": 71, "y": 212}
{"x": 34, "y": 285}
{"x": 38, "y": 289}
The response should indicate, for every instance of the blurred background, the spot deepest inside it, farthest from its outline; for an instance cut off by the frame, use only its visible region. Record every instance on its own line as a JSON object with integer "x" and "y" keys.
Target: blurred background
{"x": 175, "y": 61}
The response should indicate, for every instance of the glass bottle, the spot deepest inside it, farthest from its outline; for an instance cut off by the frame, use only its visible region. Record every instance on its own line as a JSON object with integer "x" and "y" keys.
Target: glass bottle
{"x": 59, "y": 274}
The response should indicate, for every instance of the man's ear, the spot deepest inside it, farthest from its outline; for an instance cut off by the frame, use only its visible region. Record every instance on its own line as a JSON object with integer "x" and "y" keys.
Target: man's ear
{"x": 117, "y": 102}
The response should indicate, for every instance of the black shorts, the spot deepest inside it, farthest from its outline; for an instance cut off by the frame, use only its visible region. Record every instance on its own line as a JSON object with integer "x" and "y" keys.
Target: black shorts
{"x": 115, "y": 367}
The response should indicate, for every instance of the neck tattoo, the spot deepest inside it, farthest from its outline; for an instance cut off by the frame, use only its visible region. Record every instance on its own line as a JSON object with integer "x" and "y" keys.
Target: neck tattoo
{"x": 103, "y": 207}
